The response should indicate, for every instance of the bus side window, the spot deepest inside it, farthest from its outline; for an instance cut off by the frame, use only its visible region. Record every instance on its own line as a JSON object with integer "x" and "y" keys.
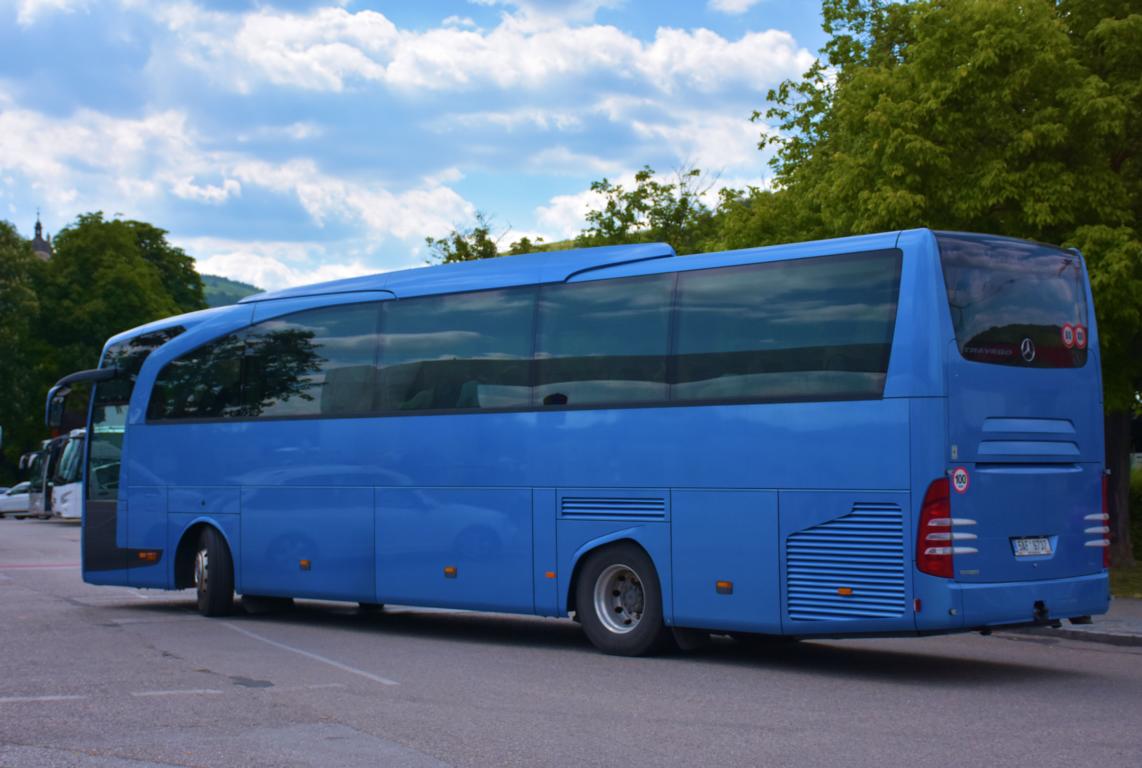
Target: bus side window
{"x": 604, "y": 342}
{"x": 818, "y": 328}
{"x": 457, "y": 352}
{"x": 316, "y": 362}
{"x": 204, "y": 383}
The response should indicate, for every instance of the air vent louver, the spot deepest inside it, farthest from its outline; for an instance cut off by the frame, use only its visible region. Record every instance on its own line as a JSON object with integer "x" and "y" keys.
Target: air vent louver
{"x": 862, "y": 552}
{"x": 597, "y": 508}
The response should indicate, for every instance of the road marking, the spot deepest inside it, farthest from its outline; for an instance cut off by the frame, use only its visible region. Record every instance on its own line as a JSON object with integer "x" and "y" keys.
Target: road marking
{"x": 179, "y": 692}
{"x": 18, "y": 699}
{"x": 151, "y": 620}
{"x": 311, "y": 655}
{"x": 39, "y": 566}
{"x": 314, "y": 687}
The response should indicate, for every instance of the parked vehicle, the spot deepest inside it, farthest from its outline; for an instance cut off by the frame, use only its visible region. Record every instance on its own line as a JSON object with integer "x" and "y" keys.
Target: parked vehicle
{"x": 890, "y": 434}
{"x": 15, "y": 500}
{"x": 67, "y": 485}
{"x": 41, "y": 467}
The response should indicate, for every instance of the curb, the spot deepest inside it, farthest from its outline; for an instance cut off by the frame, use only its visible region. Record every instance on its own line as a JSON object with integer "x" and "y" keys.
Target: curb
{"x": 1122, "y": 639}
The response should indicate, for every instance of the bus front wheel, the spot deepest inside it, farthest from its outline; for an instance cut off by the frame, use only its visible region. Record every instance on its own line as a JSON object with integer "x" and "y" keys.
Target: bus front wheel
{"x": 619, "y": 602}
{"x": 213, "y": 574}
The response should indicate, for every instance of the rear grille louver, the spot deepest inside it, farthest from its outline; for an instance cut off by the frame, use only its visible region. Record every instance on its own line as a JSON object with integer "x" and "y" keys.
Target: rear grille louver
{"x": 862, "y": 552}
{"x": 598, "y": 508}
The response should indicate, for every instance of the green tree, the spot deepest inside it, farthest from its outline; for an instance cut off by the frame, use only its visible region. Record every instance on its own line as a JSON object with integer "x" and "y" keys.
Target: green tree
{"x": 1021, "y": 118}
{"x": 525, "y": 245}
{"x": 19, "y": 307}
{"x": 476, "y": 242}
{"x": 176, "y": 269}
{"x": 653, "y": 211}
{"x": 98, "y": 283}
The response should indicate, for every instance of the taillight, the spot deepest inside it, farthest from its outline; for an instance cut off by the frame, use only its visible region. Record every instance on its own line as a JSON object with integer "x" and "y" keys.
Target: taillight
{"x": 937, "y": 540}
{"x": 934, "y": 540}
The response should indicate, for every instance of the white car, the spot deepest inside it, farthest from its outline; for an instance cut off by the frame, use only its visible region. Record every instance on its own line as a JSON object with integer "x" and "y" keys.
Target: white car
{"x": 15, "y": 499}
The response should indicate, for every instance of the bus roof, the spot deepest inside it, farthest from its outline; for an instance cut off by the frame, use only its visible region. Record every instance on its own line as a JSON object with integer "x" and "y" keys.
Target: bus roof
{"x": 506, "y": 271}
{"x": 187, "y": 320}
{"x": 543, "y": 267}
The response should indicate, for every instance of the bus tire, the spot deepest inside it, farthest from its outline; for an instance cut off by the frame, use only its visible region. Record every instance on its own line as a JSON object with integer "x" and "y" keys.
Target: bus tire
{"x": 619, "y": 601}
{"x": 213, "y": 574}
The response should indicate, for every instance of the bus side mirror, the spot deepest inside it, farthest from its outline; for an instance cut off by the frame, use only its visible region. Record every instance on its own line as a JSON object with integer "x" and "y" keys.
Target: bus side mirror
{"x": 56, "y": 403}
{"x": 57, "y": 395}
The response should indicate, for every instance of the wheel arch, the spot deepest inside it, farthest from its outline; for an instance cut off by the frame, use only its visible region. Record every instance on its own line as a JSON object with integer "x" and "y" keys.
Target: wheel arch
{"x": 183, "y": 576}
{"x": 653, "y": 540}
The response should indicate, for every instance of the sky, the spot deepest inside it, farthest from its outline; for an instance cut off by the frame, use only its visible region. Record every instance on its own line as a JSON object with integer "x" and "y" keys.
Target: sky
{"x": 283, "y": 142}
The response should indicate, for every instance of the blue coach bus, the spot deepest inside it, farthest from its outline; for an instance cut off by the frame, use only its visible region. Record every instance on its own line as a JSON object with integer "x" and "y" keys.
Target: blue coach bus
{"x": 889, "y": 434}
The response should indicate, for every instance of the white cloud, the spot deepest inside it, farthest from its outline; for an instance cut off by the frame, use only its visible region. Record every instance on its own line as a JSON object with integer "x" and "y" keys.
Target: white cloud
{"x": 90, "y": 157}
{"x": 566, "y": 215}
{"x": 332, "y": 48}
{"x": 561, "y": 160}
{"x": 711, "y": 142}
{"x": 186, "y": 189}
{"x": 122, "y": 165}
{"x": 297, "y": 131}
{"x": 28, "y": 12}
{"x": 428, "y": 209}
{"x": 459, "y": 21}
{"x": 732, "y": 7}
{"x": 566, "y": 10}
{"x": 270, "y": 265}
{"x": 525, "y": 118}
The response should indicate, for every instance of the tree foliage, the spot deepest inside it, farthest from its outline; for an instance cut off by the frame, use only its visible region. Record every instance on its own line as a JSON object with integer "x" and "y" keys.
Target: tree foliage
{"x": 104, "y": 277}
{"x": 19, "y": 307}
{"x": 470, "y": 244}
{"x": 654, "y": 210}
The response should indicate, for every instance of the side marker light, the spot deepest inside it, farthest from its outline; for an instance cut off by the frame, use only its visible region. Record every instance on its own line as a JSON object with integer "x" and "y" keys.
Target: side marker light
{"x": 449, "y": 571}
{"x": 724, "y": 587}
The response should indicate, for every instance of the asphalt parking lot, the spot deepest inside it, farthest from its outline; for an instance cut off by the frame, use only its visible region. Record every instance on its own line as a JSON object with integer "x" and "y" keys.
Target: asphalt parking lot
{"x": 100, "y": 676}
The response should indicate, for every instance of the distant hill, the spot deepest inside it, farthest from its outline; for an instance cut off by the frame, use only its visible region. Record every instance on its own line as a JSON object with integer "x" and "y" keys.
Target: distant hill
{"x": 221, "y": 291}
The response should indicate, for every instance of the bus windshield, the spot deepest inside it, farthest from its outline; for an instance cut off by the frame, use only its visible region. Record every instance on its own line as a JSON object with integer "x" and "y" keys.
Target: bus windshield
{"x": 1014, "y": 302}
{"x": 70, "y": 468}
{"x": 109, "y": 411}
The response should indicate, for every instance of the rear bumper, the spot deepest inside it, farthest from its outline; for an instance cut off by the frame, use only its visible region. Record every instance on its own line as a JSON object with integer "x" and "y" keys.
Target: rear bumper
{"x": 986, "y": 605}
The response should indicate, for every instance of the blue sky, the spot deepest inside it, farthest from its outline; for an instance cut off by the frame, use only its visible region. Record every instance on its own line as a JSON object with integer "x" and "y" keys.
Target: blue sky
{"x": 291, "y": 141}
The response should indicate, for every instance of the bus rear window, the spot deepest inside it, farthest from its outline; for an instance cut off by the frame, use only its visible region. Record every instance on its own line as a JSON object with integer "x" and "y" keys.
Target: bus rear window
{"x": 1015, "y": 302}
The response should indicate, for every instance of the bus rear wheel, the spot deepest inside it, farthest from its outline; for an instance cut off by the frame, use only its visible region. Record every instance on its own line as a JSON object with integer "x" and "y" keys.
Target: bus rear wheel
{"x": 213, "y": 574}
{"x": 619, "y": 602}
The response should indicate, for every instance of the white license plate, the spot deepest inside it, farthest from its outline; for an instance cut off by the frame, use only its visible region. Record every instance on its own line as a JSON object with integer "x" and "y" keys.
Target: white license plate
{"x": 1031, "y": 546}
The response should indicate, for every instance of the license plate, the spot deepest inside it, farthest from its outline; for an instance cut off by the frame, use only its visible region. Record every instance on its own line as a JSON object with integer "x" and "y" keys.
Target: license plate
{"x": 1031, "y": 546}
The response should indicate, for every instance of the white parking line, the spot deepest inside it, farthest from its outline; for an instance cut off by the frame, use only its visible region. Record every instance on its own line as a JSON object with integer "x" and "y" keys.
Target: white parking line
{"x": 179, "y": 692}
{"x": 310, "y": 655}
{"x": 19, "y": 699}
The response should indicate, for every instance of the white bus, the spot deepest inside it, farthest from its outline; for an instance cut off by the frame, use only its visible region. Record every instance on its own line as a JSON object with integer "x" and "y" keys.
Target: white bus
{"x": 67, "y": 484}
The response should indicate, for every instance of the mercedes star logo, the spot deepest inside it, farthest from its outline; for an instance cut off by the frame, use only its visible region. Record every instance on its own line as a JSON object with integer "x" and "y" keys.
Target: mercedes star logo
{"x": 1027, "y": 349}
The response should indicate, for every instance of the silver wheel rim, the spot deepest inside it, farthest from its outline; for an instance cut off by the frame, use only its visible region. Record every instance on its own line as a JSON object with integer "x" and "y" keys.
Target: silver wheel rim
{"x": 201, "y": 569}
{"x": 619, "y": 598}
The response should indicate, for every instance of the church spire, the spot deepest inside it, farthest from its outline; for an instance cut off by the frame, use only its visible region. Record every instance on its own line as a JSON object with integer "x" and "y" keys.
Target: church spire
{"x": 42, "y": 247}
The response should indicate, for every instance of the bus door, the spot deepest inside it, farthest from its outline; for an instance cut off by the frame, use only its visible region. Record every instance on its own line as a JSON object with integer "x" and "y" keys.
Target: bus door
{"x": 1025, "y": 454}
